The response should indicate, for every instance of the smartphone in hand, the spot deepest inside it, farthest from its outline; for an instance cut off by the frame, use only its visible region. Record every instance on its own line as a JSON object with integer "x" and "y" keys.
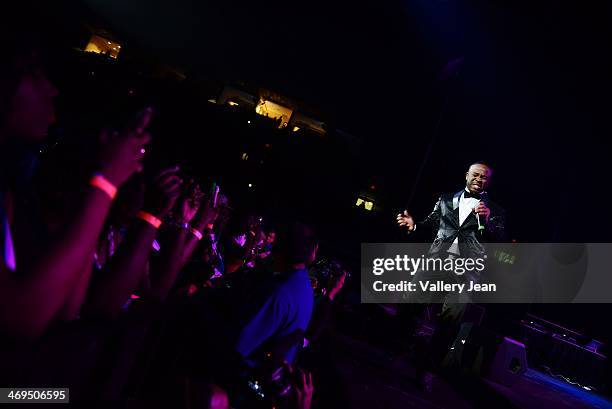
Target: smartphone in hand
{"x": 214, "y": 194}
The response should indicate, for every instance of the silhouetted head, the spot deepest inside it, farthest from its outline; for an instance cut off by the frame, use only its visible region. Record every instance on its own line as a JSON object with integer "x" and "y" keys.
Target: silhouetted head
{"x": 26, "y": 94}
{"x": 297, "y": 244}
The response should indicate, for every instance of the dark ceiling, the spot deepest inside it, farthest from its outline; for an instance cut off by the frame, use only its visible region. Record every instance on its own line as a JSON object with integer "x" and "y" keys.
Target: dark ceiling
{"x": 428, "y": 85}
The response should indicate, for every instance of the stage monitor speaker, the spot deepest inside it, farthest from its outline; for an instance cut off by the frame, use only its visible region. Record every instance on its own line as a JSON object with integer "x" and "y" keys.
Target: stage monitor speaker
{"x": 481, "y": 352}
{"x": 509, "y": 363}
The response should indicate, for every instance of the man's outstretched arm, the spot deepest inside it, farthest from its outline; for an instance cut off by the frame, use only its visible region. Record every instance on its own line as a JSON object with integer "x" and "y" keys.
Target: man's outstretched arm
{"x": 404, "y": 219}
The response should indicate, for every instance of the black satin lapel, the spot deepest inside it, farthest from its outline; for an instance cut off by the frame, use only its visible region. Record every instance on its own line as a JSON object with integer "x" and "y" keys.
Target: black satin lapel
{"x": 455, "y": 214}
{"x": 453, "y": 205}
{"x": 471, "y": 219}
{"x": 456, "y": 198}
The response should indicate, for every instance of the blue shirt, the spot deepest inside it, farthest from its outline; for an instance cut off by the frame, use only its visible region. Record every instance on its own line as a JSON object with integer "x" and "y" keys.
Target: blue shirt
{"x": 286, "y": 309}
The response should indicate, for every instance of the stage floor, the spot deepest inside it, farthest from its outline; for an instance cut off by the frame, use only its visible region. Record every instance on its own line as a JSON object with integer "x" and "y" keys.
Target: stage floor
{"x": 538, "y": 390}
{"x": 372, "y": 378}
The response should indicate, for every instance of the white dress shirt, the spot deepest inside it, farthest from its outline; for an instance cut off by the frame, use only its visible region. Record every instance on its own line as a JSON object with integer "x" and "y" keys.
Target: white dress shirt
{"x": 466, "y": 206}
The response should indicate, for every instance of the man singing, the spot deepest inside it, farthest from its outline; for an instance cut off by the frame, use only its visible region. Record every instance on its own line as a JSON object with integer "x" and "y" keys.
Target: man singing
{"x": 461, "y": 221}
{"x": 467, "y": 217}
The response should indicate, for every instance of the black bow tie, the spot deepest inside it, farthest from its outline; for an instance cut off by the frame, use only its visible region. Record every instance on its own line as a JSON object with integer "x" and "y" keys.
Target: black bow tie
{"x": 467, "y": 195}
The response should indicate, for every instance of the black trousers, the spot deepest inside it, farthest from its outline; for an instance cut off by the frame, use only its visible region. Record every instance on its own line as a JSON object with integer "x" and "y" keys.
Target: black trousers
{"x": 429, "y": 355}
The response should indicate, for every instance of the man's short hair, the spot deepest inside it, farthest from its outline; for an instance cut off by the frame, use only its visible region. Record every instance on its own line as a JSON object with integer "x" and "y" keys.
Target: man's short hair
{"x": 296, "y": 242}
{"x": 480, "y": 162}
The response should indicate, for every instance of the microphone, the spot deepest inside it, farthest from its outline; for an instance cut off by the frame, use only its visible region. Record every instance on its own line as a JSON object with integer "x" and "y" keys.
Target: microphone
{"x": 481, "y": 226}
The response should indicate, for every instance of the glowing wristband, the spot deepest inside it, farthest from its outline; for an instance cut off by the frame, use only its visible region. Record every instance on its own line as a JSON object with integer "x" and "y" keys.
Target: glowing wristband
{"x": 104, "y": 185}
{"x": 149, "y": 218}
{"x": 210, "y": 226}
{"x": 196, "y": 233}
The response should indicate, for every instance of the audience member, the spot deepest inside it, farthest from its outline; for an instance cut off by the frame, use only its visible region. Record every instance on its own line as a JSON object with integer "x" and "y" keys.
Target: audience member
{"x": 285, "y": 306}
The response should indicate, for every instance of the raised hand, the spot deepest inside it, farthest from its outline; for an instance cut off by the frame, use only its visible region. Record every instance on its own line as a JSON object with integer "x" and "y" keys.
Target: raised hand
{"x": 302, "y": 387}
{"x": 482, "y": 210}
{"x": 335, "y": 285}
{"x": 404, "y": 219}
{"x": 207, "y": 214}
{"x": 162, "y": 194}
{"x": 122, "y": 152}
{"x": 190, "y": 202}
